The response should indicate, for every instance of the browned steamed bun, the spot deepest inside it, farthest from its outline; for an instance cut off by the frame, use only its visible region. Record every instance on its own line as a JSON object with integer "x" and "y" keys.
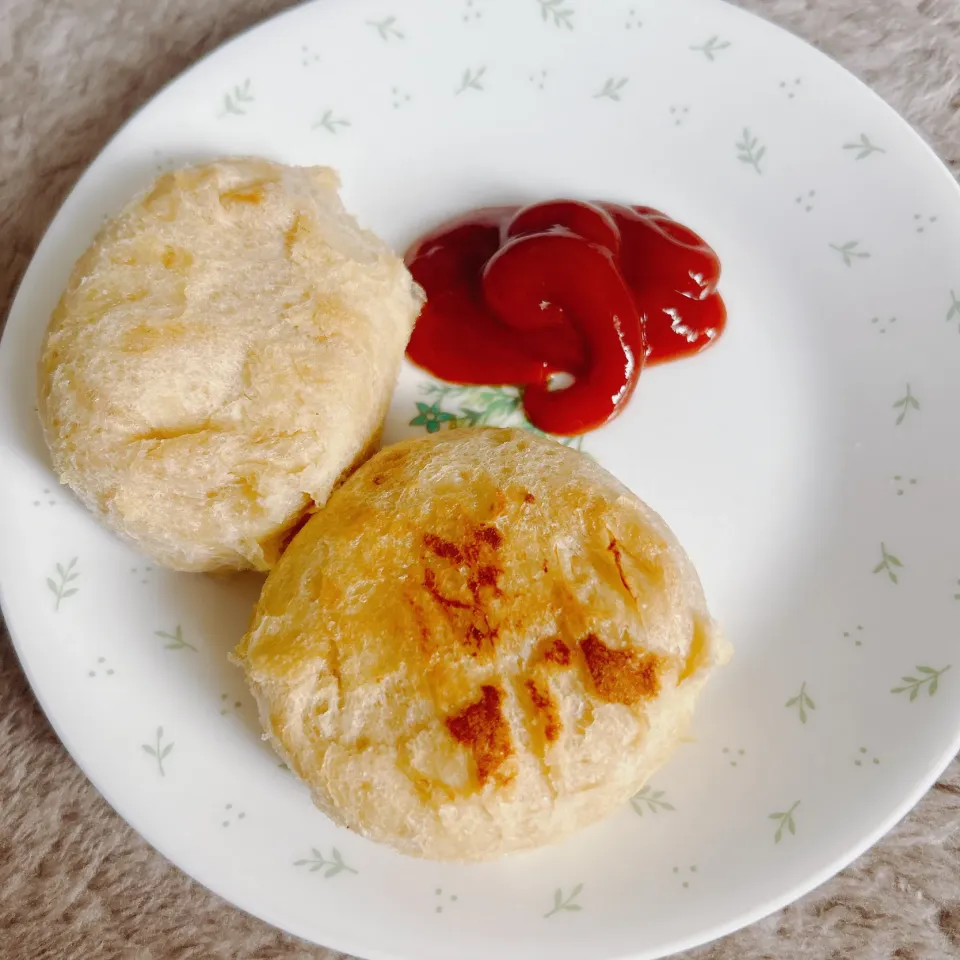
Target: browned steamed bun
{"x": 223, "y": 354}
{"x": 482, "y": 643}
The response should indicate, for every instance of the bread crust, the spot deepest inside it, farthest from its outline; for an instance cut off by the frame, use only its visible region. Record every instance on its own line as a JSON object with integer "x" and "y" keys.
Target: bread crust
{"x": 482, "y": 643}
{"x": 224, "y": 352}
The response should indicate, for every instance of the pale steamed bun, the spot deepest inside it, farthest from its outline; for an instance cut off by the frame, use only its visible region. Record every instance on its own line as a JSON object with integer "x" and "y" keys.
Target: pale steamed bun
{"x": 224, "y": 352}
{"x": 482, "y": 643}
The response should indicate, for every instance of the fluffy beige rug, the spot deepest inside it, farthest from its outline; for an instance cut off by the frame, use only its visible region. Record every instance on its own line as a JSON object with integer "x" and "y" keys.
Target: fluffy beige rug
{"x": 75, "y": 880}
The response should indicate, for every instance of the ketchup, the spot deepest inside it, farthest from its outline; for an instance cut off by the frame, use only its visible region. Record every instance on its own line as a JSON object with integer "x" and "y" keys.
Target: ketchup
{"x": 591, "y": 290}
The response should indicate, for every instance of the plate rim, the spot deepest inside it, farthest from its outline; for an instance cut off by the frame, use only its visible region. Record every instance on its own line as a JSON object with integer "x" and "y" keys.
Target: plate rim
{"x": 350, "y": 942}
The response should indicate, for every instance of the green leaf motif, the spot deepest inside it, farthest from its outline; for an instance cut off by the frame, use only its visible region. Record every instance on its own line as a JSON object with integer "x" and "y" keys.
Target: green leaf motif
{"x": 651, "y": 800}
{"x": 751, "y": 151}
{"x": 954, "y": 312}
{"x": 60, "y": 587}
{"x": 330, "y": 123}
{"x": 568, "y": 904}
{"x": 318, "y": 863}
{"x": 557, "y": 12}
{"x": 386, "y": 28}
{"x": 234, "y": 101}
{"x": 612, "y": 88}
{"x": 431, "y": 417}
{"x": 477, "y": 407}
{"x": 850, "y": 252}
{"x": 176, "y": 640}
{"x": 712, "y": 47}
{"x": 930, "y": 677}
{"x": 785, "y": 821}
{"x": 803, "y": 702}
{"x": 863, "y": 147}
{"x": 888, "y": 562}
{"x": 471, "y": 80}
{"x": 905, "y": 404}
{"x": 159, "y": 750}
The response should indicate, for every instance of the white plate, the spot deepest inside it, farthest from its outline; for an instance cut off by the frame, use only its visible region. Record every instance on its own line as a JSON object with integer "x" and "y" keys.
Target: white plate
{"x": 808, "y": 462}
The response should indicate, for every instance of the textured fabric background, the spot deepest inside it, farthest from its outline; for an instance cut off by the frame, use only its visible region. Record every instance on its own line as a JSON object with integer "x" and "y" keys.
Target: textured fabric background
{"x": 75, "y": 880}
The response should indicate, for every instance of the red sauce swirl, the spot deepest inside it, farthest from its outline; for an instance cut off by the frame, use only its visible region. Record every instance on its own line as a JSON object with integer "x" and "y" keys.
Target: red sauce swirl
{"x": 591, "y": 290}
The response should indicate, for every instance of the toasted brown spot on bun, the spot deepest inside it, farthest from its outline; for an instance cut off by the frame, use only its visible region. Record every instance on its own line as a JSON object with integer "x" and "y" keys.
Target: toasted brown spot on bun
{"x": 618, "y": 560}
{"x": 621, "y": 676}
{"x": 292, "y": 234}
{"x": 174, "y": 258}
{"x": 549, "y": 717}
{"x": 482, "y": 729}
{"x": 487, "y": 576}
{"x": 251, "y": 193}
{"x": 557, "y": 652}
{"x": 442, "y": 548}
{"x": 490, "y": 536}
{"x": 430, "y": 582}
